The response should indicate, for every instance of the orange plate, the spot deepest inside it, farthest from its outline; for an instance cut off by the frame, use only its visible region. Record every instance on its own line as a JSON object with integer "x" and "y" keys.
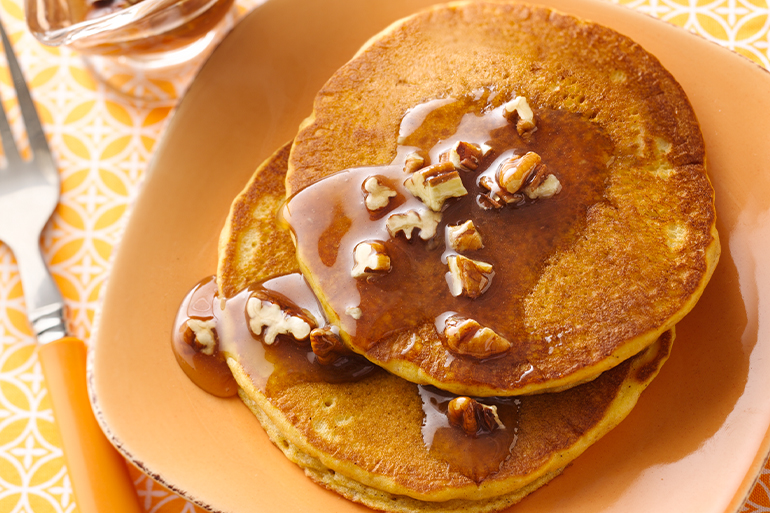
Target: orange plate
{"x": 699, "y": 435}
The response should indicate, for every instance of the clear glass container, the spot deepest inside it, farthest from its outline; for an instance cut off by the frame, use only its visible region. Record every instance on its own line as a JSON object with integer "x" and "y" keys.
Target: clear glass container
{"x": 142, "y": 48}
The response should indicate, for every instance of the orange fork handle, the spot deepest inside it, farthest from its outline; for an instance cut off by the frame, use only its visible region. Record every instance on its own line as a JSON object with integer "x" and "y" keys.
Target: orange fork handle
{"x": 100, "y": 479}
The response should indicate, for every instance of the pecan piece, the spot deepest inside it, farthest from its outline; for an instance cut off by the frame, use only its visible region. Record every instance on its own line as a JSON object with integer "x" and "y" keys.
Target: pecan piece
{"x": 549, "y": 187}
{"x": 326, "y": 345}
{"x": 203, "y": 335}
{"x": 371, "y": 258}
{"x": 514, "y": 172}
{"x": 518, "y": 110}
{"x": 465, "y": 156}
{"x": 376, "y": 195}
{"x": 268, "y": 312}
{"x": 473, "y": 417}
{"x": 413, "y": 162}
{"x": 425, "y": 220}
{"x": 435, "y": 184}
{"x": 468, "y": 337}
{"x": 499, "y": 194}
{"x": 489, "y": 201}
{"x": 467, "y": 277}
{"x": 464, "y": 237}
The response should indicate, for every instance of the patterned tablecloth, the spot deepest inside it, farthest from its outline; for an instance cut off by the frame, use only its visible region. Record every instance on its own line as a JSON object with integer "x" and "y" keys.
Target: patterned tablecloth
{"x": 102, "y": 144}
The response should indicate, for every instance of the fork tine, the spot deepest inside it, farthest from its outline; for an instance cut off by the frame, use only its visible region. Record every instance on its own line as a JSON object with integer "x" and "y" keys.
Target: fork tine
{"x": 9, "y": 146}
{"x": 37, "y": 141}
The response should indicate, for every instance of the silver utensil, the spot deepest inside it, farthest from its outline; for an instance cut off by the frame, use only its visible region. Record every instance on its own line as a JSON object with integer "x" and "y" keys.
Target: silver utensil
{"x": 29, "y": 193}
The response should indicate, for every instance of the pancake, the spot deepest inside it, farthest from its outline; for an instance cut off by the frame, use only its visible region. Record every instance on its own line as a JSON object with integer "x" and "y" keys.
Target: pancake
{"x": 371, "y": 436}
{"x": 250, "y": 228}
{"x": 557, "y": 289}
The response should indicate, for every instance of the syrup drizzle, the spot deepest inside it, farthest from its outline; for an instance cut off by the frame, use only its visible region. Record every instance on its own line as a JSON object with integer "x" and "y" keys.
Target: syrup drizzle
{"x": 210, "y": 373}
{"x": 270, "y": 367}
{"x": 329, "y": 218}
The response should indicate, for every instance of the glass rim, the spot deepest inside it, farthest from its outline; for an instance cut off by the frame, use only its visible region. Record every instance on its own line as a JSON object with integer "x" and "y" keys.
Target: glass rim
{"x": 98, "y": 27}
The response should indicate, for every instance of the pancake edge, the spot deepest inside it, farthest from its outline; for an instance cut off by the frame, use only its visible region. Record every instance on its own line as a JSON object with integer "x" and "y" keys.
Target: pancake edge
{"x": 280, "y": 430}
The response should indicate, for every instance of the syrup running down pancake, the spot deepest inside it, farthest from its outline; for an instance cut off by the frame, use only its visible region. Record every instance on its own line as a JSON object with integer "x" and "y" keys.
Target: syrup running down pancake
{"x": 562, "y": 287}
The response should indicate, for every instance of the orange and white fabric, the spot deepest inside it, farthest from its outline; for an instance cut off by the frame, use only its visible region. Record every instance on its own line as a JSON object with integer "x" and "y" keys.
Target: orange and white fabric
{"x": 102, "y": 144}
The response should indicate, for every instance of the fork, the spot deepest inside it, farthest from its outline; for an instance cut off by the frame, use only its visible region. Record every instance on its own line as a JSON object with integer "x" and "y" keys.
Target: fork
{"x": 29, "y": 193}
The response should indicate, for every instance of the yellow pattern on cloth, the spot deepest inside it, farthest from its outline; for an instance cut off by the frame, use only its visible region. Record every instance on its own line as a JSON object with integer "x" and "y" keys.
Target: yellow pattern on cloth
{"x": 102, "y": 145}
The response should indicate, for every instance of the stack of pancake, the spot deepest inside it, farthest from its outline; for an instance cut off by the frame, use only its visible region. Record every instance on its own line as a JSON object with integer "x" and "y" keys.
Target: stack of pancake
{"x": 581, "y": 286}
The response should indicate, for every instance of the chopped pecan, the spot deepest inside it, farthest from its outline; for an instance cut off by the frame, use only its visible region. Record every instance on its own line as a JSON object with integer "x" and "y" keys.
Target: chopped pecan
{"x": 465, "y": 156}
{"x": 354, "y": 311}
{"x": 489, "y": 201}
{"x": 537, "y": 178}
{"x": 549, "y": 187}
{"x": 467, "y": 277}
{"x": 266, "y": 311}
{"x": 473, "y": 417}
{"x": 514, "y": 172}
{"x": 413, "y": 162}
{"x": 435, "y": 184}
{"x": 425, "y": 220}
{"x": 376, "y": 194}
{"x": 204, "y": 335}
{"x": 468, "y": 337}
{"x": 499, "y": 194}
{"x": 464, "y": 237}
{"x": 371, "y": 258}
{"x": 326, "y": 345}
{"x": 518, "y": 110}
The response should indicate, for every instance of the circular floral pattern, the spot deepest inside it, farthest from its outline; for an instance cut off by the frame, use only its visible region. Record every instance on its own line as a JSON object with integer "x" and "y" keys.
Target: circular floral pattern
{"x": 102, "y": 144}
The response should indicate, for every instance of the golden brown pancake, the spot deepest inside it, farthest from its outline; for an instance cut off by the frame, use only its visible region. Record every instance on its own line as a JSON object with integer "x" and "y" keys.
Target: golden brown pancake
{"x": 250, "y": 228}
{"x": 376, "y": 438}
{"x": 581, "y": 281}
